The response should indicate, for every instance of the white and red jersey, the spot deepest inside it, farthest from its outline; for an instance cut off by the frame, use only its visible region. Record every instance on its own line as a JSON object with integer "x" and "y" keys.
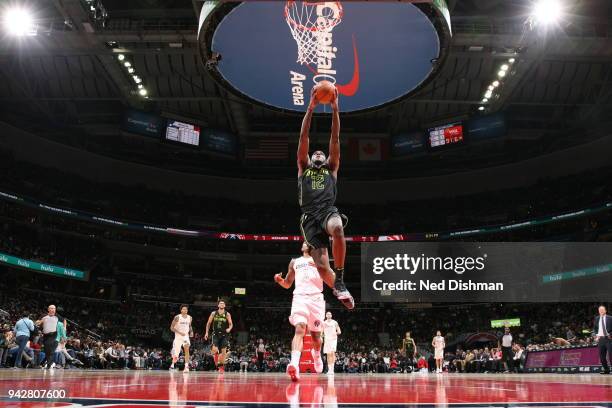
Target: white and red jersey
{"x": 183, "y": 325}
{"x": 330, "y": 327}
{"x": 307, "y": 278}
{"x": 438, "y": 342}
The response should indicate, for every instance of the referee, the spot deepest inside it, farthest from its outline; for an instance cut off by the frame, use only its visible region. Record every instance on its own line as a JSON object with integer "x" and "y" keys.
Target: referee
{"x": 49, "y": 331}
{"x": 506, "y": 347}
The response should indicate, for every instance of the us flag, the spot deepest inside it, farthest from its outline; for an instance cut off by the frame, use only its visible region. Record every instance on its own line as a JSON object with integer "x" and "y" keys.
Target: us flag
{"x": 267, "y": 148}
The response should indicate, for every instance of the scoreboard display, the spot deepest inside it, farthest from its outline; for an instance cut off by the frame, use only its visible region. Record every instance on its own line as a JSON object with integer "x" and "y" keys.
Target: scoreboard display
{"x": 183, "y": 133}
{"x": 446, "y": 135}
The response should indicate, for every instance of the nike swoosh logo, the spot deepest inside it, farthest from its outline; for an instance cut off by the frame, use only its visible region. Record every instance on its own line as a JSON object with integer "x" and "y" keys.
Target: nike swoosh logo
{"x": 352, "y": 87}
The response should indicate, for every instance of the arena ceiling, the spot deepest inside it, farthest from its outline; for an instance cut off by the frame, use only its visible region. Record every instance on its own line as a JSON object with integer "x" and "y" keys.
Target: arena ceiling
{"x": 68, "y": 73}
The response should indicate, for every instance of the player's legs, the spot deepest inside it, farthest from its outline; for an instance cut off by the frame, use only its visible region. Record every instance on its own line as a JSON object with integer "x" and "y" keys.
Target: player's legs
{"x": 438, "y": 364}
{"x": 329, "y": 348}
{"x": 222, "y": 357}
{"x": 331, "y": 362}
{"x": 176, "y": 351}
{"x": 321, "y": 260}
{"x": 316, "y": 315}
{"x": 297, "y": 345}
{"x": 335, "y": 230}
{"x": 316, "y": 351}
{"x": 215, "y": 352}
{"x": 186, "y": 353}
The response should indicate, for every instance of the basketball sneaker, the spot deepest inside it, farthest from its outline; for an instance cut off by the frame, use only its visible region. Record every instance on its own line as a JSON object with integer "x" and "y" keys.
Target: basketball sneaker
{"x": 186, "y": 370}
{"x": 343, "y": 295}
{"x": 221, "y": 369}
{"x": 318, "y": 362}
{"x": 171, "y": 368}
{"x": 294, "y": 372}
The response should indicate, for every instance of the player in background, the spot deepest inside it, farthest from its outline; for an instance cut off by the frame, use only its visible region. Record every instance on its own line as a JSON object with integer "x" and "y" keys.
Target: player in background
{"x": 409, "y": 351}
{"x": 438, "y": 344}
{"x": 221, "y": 321}
{"x": 331, "y": 331}
{"x": 181, "y": 327}
{"x": 317, "y": 191}
{"x": 307, "y": 308}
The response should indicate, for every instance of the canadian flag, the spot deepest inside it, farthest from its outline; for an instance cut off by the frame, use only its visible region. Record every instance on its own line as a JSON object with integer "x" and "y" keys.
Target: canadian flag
{"x": 370, "y": 150}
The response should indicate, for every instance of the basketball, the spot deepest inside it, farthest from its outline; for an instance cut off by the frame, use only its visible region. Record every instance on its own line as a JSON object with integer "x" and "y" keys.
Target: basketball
{"x": 325, "y": 92}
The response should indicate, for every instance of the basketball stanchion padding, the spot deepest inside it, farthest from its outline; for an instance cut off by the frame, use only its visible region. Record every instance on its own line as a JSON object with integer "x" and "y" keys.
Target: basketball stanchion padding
{"x": 306, "y": 361}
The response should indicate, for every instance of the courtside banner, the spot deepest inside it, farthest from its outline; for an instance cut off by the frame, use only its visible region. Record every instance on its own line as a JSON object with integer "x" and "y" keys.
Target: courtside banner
{"x": 486, "y": 272}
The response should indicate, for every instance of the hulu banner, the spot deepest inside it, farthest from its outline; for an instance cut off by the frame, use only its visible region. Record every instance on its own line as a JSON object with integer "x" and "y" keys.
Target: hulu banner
{"x": 486, "y": 272}
{"x": 43, "y": 268}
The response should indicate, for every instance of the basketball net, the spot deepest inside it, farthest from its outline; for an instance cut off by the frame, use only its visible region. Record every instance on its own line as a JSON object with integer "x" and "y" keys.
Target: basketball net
{"x": 310, "y": 23}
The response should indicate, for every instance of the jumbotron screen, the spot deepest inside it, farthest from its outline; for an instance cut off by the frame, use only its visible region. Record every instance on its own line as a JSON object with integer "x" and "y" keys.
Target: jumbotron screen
{"x": 182, "y": 132}
{"x": 446, "y": 135}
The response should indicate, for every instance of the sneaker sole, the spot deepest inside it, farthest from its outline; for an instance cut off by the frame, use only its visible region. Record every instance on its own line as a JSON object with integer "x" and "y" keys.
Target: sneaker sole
{"x": 349, "y": 303}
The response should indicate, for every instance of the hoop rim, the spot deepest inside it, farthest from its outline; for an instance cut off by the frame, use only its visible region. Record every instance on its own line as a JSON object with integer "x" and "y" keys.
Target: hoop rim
{"x": 291, "y": 21}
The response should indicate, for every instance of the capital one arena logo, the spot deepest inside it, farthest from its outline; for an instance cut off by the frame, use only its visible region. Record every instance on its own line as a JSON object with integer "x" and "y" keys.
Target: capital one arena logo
{"x": 274, "y": 52}
{"x": 315, "y": 44}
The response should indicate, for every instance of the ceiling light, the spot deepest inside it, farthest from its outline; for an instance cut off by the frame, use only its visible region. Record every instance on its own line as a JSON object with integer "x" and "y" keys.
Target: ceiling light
{"x": 143, "y": 92}
{"x": 19, "y": 22}
{"x": 120, "y": 57}
{"x": 501, "y": 74}
{"x": 547, "y": 11}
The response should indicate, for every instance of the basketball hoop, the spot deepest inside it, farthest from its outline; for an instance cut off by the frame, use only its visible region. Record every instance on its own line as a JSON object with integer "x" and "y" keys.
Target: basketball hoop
{"x": 309, "y": 21}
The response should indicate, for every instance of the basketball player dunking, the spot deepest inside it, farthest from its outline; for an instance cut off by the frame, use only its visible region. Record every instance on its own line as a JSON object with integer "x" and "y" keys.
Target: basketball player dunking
{"x": 181, "y": 326}
{"x": 317, "y": 178}
{"x": 307, "y": 309}
{"x": 221, "y": 322}
{"x": 331, "y": 331}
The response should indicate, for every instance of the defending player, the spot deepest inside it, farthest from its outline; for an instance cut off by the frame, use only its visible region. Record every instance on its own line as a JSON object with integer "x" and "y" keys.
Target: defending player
{"x": 331, "y": 331}
{"x": 181, "y": 326}
{"x": 307, "y": 309}
{"x": 317, "y": 179}
{"x": 221, "y": 322}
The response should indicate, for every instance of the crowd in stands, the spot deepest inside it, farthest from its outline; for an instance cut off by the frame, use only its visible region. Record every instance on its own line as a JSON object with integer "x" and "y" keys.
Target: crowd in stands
{"x": 128, "y": 334}
{"x": 68, "y": 190}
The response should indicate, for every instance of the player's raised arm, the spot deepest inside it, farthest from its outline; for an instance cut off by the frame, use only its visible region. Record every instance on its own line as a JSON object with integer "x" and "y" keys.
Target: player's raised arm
{"x": 334, "y": 140}
{"x": 288, "y": 280}
{"x": 208, "y": 323}
{"x": 303, "y": 144}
